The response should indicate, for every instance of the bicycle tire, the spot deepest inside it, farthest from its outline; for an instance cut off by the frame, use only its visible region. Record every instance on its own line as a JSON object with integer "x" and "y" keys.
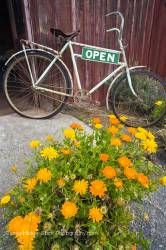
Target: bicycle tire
{"x": 23, "y": 98}
{"x": 147, "y": 108}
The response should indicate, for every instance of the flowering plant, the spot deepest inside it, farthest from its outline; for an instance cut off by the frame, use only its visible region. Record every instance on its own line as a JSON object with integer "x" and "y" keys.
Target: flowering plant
{"x": 76, "y": 193}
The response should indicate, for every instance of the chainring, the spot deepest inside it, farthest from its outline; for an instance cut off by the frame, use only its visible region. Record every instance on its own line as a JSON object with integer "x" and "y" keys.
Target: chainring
{"x": 82, "y": 99}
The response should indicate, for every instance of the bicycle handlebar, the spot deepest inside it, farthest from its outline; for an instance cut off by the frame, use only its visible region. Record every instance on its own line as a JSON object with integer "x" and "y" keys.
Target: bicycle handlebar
{"x": 120, "y": 31}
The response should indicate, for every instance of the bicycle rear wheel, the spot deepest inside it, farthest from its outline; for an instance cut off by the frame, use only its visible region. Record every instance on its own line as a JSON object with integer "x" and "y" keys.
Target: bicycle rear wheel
{"x": 23, "y": 97}
{"x": 144, "y": 110}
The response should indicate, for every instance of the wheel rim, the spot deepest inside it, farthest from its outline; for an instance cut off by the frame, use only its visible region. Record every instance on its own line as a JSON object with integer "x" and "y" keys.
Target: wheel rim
{"x": 144, "y": 110}
{"x": 24, "y": 98}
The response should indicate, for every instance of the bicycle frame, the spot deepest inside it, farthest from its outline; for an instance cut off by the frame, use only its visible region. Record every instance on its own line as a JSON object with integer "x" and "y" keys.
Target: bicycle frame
{"x": 69, "y": 45}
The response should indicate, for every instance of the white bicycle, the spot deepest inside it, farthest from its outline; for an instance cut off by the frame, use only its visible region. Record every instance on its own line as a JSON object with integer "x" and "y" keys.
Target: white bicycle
{"x": 37, "y": 82}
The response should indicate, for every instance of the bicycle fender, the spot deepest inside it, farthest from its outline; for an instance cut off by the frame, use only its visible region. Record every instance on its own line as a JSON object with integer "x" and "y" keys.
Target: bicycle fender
{"x": 114, "y": 80}
{"x": 39, "y": 50}
{"x": 120, "y": 74}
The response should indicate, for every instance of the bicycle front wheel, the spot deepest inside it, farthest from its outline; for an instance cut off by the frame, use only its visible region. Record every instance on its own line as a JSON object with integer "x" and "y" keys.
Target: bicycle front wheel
{"x": 144, "y": 110}
{"x": 23, "y": 97}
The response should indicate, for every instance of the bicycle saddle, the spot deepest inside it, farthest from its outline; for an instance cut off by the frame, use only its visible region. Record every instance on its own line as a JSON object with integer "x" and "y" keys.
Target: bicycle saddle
{"x": 66, "y": 36}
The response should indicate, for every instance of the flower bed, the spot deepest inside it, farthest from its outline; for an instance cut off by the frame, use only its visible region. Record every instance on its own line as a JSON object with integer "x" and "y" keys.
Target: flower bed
{"x": 76, "y": 194}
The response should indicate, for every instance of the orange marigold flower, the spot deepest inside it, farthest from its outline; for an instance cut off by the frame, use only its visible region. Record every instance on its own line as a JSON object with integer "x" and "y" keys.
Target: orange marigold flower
{"x": 132, "y": 131}
{"x": 113, "y": 130}
{"x": 130, "y": 173}
{"x": 124, "y": 162}
{"x": 30, "y": 184}
{"x": 143, "y": 180}
{"x": 116, "y": 142}
{"x": 109, "y": 172}
{"x": 44, "y": 175}
{"x": 96, "y": 120}
{"x": 118, "y": 183}
{"x": 29, "y": 224}
{"x": 75, "y": 125}
{"x": 134, "y": 247}
{"x": 163, "y": 180}
{"x": 126, "y": 138}
{"x": 80, "y": 187}
{"x": 113, "y": 120}
{"x": 61, "y": 182}
{"x": 104, "y": 157}
{"x": 66, "y": 151}
{"x": 69, "y": 209}
{"x": 98, "y": 188}
{"x": 95, "y": 214}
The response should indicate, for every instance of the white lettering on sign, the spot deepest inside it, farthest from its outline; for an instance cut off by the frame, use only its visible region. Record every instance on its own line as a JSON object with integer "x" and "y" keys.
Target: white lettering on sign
{"x": 111, "y": 57}
{"x": 95, "y": 54}
{"x": 102, "y": 56}
{"x": 89, "y": 53}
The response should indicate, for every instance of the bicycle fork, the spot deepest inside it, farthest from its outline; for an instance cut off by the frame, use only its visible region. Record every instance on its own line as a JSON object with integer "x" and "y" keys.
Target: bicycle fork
{"x": 127, "y": 69}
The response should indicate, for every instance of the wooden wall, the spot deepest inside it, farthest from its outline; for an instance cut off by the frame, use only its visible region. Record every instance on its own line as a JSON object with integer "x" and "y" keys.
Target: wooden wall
{"x": 144, "y": 31}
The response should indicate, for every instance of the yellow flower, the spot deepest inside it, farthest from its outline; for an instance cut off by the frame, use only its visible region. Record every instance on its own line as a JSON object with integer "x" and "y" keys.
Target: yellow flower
{"x": 132, "y": 131}
{"x": 123, "y": 118}
{"x": 146, "y": 216}
{"x": 76, "y": 143}
{"x": 30, "y": 184}
{"x": 143, "y": 180}
{"x": 61, "y": 182}
{"x": 113, "y": 130}
{"x": 118, "y": 183}
{"x": 98, "y": 125}
{"x": 69, "y": 133}
{"x": 69, "y": 209}
{"x": 34, "y": 144}
{"x": 66, "y": 151}
{"x": 159, "y": 103}
{"x": 116, "y": 142}
{"x": 140, "y": 136}
{"x": 5, "y": 199}
{"x": 130, "y": 173}
{"x": 80, "y": 187}
{"x": 49, "y": 138}
{"x": 44, "y": 175}
{"x": 126, "y": 138}
{"x": 124, "y": 162}
{"x": 95, "y": 214}
{"x": 150, "y": 146}
{"x": 75, "y": 125}
{"x": 104, "y": 157}
{"x": 14, "y": 168}
{"x": 49, "y": 153}
{"x": 96, "y": 120}
{"x": 98, "y": 188}
{"x": 163, "y": 180}
{"x": 109, "y": 172}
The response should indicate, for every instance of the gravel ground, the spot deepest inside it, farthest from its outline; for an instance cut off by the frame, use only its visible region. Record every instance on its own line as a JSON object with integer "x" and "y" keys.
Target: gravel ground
{"x": 15, "y": 133}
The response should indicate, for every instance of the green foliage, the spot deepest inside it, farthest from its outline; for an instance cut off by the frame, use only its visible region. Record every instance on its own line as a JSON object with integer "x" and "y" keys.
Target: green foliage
{"x": 79, "y": 159}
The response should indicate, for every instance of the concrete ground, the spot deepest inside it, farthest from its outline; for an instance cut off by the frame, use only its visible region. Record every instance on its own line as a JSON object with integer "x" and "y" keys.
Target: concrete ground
{"x": 15, "y": 134}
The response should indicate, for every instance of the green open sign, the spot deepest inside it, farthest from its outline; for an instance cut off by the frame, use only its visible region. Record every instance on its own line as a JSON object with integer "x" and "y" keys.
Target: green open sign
{"x": 105, "y": 56}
